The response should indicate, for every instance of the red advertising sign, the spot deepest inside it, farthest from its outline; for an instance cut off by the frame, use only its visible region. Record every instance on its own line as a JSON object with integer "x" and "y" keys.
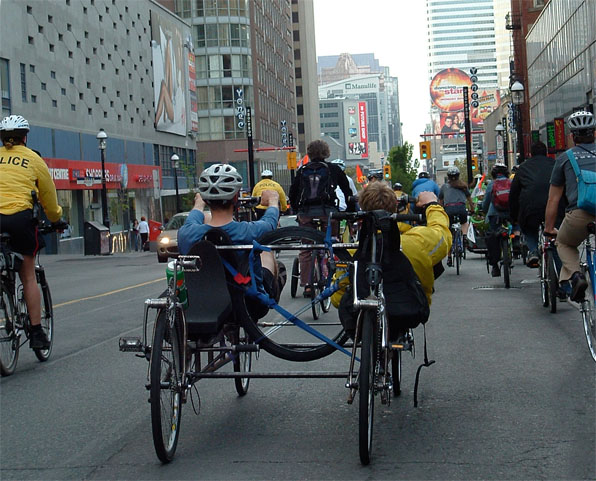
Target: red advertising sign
{"x": 363, "y": 128}
{"x": 560, "y": 134}
{"x": 83, "y": 174}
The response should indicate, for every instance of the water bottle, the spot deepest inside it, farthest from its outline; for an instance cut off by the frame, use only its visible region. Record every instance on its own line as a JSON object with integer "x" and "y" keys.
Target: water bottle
{"x": 181, "y": 291}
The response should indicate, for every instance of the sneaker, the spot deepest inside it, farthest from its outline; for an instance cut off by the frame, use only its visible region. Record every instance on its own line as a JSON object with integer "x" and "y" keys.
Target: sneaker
{"x": 307, "y": 292}
{"x": 496, "y": 271}
{"x": 579, "y": 284}
{"x": 533, "y": 260}
{"x": 39, "y": 339}
{"x": 449, "y": 262}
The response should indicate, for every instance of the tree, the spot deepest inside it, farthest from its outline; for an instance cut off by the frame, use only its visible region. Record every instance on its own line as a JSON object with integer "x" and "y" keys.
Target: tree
{"x": 462, "y": 165}
{"x": 403, "y": 169}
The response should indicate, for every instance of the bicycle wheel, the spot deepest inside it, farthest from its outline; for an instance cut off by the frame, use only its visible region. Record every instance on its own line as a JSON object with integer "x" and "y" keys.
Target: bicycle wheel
{"x": 324, "y": 263}
{"x": 242, "y": 363}
{"x": 544, "y": 277}
{"x": 506, "y": 253}
{"x": 553, "y": 282}
{"x": 589, "y": 316}
{"x": 366, "y": 385}
{"x": 283, "y": 339}
{"x": 396, "y": 372}
{"x": 295, "y": 277}
{"x": 47, "y": 314}
{"x": 315, "y": 283}
{"x": 9, "y": 341}
{"x": 165, "y": 395}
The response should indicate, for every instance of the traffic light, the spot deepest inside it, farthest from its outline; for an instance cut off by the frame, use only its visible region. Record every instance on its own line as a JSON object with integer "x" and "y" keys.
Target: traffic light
{"x": 474, "y": 163}
{"x": 425, "y": 150}
{"x": 291, "y": 160}
{"x": 387, "y": 172}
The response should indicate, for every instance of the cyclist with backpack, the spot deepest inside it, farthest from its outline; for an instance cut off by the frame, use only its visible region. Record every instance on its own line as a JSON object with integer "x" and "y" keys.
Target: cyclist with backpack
{"x": 312, "y": 196}
{"x": 574, "y": 175}
{"x": 496, "y": 207}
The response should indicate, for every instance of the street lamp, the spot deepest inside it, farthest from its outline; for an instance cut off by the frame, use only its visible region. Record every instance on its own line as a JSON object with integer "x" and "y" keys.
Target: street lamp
{"x": 175, "y": 165}
{"x": 517, "y": 97}
{"x": 102, "y": 137}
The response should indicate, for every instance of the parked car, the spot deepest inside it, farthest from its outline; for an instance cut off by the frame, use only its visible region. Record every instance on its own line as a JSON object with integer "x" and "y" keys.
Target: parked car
{"x": 167, "y": 241}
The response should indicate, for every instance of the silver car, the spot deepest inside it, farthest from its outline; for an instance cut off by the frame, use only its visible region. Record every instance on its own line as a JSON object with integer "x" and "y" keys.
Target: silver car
{"x": 167, "y": 241}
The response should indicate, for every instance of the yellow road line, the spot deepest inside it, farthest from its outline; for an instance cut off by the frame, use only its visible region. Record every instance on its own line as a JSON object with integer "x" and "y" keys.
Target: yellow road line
{"x": 108, "y": 293}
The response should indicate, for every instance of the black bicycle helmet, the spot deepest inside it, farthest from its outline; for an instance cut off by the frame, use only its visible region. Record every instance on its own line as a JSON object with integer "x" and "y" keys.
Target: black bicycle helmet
{"x": 424, "y": 175}
{"x": 453, "y": 172}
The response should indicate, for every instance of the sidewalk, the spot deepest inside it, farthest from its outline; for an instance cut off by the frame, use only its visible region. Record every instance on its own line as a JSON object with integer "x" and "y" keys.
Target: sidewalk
{"x": 47, "y": 259}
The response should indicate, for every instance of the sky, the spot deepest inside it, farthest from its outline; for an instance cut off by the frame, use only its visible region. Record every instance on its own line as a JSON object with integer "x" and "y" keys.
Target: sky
{"x": 395, "y": 31}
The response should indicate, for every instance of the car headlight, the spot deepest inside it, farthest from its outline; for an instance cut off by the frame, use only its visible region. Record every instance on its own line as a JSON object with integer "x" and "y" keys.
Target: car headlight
{"x": 164, "y": 240}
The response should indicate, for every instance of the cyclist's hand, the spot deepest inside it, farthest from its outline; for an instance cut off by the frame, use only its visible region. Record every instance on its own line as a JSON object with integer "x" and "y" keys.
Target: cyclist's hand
{"x": 425, "y": 198}
{"x": 59, "y": 226}
{"x": 551, "y": 233}
{"x": 199, "y": 202}
{"x": 270, "y": 198}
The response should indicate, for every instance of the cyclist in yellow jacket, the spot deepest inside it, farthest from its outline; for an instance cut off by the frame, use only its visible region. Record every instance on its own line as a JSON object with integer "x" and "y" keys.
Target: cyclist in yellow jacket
{"x": 267, "y": 183}
{"x": 23, "y": 171}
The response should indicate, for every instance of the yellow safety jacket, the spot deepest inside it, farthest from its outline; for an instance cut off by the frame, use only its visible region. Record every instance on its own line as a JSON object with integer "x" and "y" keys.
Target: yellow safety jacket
{"x": 268, "y": 184}
{"x": 21, "y": 171}
{"x": 424, "y": 246}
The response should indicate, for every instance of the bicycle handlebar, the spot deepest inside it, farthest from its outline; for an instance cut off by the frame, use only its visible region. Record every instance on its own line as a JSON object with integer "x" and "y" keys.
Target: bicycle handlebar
{"x": 361, "y": 214}
{"x": 252, "y": 201}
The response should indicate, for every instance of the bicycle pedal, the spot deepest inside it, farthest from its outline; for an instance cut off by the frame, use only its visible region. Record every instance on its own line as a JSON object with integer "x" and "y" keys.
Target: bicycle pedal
{"x": 246, "y": 348}
{"x": 130, "y": 344}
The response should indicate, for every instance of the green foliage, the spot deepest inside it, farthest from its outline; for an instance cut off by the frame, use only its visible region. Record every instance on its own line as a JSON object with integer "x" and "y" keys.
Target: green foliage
{"x": 403, "y": 168}
{"x": 463, "y": 170}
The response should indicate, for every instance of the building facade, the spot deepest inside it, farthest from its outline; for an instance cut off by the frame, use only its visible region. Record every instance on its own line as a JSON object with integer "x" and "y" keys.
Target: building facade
{"x": 74, "y": 67}
{"x": 461, "y": 34}
{"x": 305, "y": 64}
{"x": 244, "y": 58}
{"x": 561, "y": 52}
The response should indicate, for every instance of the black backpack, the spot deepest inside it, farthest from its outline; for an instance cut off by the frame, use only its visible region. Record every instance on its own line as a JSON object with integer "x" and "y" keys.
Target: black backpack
{"x": 316, "y": 185}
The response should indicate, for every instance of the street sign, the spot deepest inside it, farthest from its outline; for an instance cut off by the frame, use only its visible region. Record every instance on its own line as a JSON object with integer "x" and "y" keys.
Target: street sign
{"x": 500, "y": 149}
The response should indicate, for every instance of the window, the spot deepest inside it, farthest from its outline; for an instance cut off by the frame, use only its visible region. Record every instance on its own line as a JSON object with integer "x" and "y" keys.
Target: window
{"x": 86, "y": 34}
{"x": 30, "y": 40}
{"x": 103, "y": 89}
{"x": 69, "y": 27}
{"x": 54, "y": 103}
{"x": 70, "y": 55}
{"x": 39, "y": 29}
{"x": 23, "y": 83}
{"x": 63, "y": 91}
{"x": 29, "y": 9}
{"x": 297, "y": 54}
{"x": 50, "y": 19}
{"x": 296, "y": 36}
{"x": 51, "y": 47}
{"x": 34, "y": 99}
{"x": 60, "y": 37}
{"x": 89, "y": 111}
{"x": 73, "y": 107}
{"x": 31, "y": 68}
{"x": 53, "y": 74}
{"x": 43, "y": 86}
{"x": 71, "y": 80}
{"x": 88, "y": 85}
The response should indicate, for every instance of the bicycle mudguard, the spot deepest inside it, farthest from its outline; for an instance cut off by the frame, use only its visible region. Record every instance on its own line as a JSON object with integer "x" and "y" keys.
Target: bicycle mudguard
{"x": 209, "y": 301}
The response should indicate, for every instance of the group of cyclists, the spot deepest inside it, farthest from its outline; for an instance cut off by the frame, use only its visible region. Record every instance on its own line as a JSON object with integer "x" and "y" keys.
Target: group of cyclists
{"x": 321, "y": 187}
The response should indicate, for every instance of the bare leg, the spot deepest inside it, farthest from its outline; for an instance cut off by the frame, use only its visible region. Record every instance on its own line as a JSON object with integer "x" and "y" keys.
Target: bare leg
{"x": 30, "y": 289}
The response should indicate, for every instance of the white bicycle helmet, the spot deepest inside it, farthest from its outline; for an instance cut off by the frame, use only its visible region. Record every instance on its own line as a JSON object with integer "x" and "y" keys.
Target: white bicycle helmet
{"x": 581, "y": 120}
{"x": 219, "y": 182}
{"x": 340, "y": 163}
{"x": 266, "y": 173}
{"x": 14, "y": 122}
{"x": 452, "y": 171}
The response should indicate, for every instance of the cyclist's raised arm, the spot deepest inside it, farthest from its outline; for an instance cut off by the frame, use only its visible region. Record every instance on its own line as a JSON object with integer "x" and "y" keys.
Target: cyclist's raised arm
{"x": 47, "y": 190}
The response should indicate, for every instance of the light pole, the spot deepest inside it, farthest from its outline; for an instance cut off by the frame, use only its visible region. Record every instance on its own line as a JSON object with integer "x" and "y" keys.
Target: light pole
{"x": 517, "y": 97}
{"x": 175, "y": 165}
{"x": 102, "y": 137}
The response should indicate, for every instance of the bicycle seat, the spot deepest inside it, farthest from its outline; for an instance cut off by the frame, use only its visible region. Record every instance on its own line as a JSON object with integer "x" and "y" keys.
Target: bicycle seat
{"x": 210, "y": 305}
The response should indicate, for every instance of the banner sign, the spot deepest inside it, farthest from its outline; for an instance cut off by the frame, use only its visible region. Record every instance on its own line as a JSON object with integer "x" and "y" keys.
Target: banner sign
{"x": 550, "y": 135}
{"x": 83, "y": 174}
{"x": 559, "y": 134}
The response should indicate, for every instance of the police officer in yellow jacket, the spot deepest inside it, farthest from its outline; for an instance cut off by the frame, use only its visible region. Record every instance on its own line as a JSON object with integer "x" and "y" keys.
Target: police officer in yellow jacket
{"x": 267, "y": 183}
{"x": 23, "y": 171}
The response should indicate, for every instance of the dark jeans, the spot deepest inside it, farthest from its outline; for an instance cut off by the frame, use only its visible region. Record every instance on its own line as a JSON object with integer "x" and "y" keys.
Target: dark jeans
{"x": 493, "y": 240}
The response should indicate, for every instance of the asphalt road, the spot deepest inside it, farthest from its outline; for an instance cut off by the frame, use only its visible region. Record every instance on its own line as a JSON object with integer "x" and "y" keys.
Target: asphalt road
{"x": 511, "y": 395}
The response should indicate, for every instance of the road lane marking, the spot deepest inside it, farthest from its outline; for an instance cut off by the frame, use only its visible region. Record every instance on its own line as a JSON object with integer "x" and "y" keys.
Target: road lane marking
{"x": 74, "y": 301}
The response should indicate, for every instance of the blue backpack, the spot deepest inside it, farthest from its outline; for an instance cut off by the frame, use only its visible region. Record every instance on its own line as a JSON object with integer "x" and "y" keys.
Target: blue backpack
{"x": 316, "y": 185}
{"x": 586, "y": 184}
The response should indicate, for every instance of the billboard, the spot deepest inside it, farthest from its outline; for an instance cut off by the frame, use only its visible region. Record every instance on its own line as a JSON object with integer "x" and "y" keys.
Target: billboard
{"x": 446, "y": 92}
{"x": 356, "y": 134}
{"x": 169, "y": 70}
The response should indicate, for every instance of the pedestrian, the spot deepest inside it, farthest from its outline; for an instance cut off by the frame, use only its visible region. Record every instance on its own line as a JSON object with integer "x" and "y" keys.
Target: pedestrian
{"x": 144, "y": 233}
{"x": 135, "y": 235}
